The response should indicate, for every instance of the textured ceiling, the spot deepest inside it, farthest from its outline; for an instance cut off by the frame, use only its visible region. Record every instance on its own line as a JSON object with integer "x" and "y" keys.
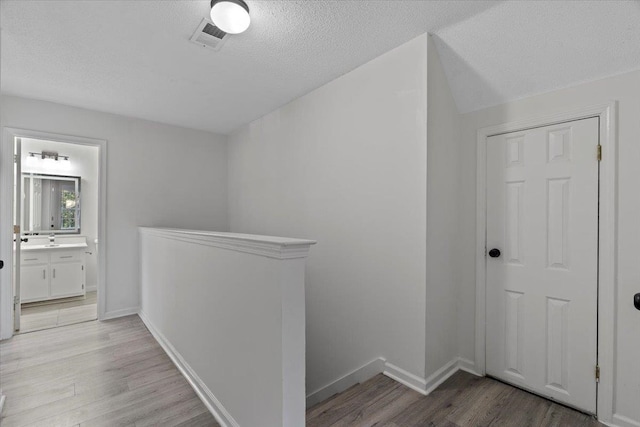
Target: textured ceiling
{"x": 522, "y": 48}
{"x": 134, "y": 57}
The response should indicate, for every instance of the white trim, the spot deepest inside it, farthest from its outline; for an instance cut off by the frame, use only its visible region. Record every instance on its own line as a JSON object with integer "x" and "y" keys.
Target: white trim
{"x": 6, "y": 215}
{"x": 607, "y": 280}
{"x": 414, "y": 382}
{"x": 481, "y": 249}
{"x": 356, "y": 376}
{"x": 468, "y": 366}
{"x": 426, "y": 386}
{"x": 6, "y": 236}
{"x": 441, "y": 375}
{"x": 3, "y": 398}
{"x": 622, "y": 421}
{"x": 608, "y": 208}
{"x": 120, "y": 313}
{"x": 271, "y": 247}
{"x": 380, "y": 365}
{"x": 221, "y": 415}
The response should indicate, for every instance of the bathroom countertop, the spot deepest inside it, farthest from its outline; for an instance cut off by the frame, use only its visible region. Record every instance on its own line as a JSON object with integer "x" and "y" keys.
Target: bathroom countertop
{"x": 57, "y": 246}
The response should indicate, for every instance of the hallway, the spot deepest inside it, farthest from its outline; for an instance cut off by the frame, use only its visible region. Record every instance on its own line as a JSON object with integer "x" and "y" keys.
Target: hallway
{"x": 114, "y": 373}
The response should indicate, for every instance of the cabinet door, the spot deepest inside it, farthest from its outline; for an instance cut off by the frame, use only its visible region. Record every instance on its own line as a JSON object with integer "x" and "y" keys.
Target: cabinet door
{"x": 66, "y": 279}
{"x": 34, "y": 282}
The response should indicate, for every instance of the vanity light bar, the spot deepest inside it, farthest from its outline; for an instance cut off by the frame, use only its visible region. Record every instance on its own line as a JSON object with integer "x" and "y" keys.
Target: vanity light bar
{"x": 49, "y": 155}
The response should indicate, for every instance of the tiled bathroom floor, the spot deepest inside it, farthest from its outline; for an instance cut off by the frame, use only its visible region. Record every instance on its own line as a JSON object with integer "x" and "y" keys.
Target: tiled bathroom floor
{"x": 37, "y": 316}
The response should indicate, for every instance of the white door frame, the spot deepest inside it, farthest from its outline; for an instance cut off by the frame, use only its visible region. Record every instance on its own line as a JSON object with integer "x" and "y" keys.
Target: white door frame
{"x": 17, "y": 208}
{"x": 6, "y": 217}
{"x": 607, "y": 284}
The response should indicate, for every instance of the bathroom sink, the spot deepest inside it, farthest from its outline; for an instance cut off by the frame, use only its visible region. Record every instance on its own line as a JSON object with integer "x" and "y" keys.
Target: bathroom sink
{"x": 53, "y": 246}
{"x": 46, "y": 243}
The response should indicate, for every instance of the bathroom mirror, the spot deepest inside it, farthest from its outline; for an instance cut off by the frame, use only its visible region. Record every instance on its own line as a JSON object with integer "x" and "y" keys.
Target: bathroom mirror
{"x": 50, "y": 204}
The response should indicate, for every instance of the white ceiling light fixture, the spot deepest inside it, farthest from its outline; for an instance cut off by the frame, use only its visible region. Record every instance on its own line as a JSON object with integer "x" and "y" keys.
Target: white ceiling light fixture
{"x": 231, "y": 16}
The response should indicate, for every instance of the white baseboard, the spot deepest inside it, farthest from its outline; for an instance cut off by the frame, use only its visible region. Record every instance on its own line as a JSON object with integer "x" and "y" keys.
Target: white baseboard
{"x": 120, "y": 313}
{"x": 442, "y": 374}
{"x": 215, "y": 407}
{"x": 356, "y": 376}
{"x": 419, "y": 384}
{"x": 468, "y": 366}
{"x": 622, "y": 421}
{"x": 407, "y": 378}
{"x": 426, "y": 386}
{"x": 92, "y": 288}
{"x": 380, "y": 365}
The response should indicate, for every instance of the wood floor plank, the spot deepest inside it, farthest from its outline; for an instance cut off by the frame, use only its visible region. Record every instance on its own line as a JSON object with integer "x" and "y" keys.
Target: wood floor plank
{"x": 464, "y": 400}
{"x": 114, "y": 373}
{"x": 340, "y": 408}
{"x": 95, "y": 362}
{"x": 202, "y": 420}
{"x": 127, "y": 413}
{"x": 385, "y": 408}
{"x": 98, "y": 373}
{"x": 329, "y": 401}
{"x": 483, "y": 400}
{"x": 176, "y": 414}
{"x": 39, "y": 398}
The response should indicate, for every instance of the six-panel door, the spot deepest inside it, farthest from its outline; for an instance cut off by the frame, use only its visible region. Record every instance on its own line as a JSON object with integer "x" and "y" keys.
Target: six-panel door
{"x": 542, "y": 213}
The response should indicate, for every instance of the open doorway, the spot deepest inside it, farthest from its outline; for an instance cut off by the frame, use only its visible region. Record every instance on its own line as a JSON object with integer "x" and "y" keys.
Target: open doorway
{"x": 56, "y": 254}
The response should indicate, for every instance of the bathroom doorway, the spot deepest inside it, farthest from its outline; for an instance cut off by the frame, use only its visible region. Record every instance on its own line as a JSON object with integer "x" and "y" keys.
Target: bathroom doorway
{"x": 57, "y": 268}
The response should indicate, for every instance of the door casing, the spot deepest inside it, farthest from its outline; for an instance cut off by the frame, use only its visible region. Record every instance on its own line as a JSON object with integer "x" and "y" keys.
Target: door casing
{"x": 607, "y": 240}
{"x": 6, "y": 217}
{"x": 17, "y": 208}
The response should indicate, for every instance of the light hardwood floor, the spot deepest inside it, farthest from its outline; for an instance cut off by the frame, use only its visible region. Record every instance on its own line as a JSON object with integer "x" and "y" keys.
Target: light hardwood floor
{"x": 95, "y": 374}
{"x": 114, "y": 373}
{"x": 464, "y": 400}
{"x": 50, "y": 314}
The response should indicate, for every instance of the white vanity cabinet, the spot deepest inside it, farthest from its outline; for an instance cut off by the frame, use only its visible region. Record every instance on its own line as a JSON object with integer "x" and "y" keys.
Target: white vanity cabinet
{"x": 35, "y": 283}
{"x": 67, "y": 273}
{"x": 49, "y": 273}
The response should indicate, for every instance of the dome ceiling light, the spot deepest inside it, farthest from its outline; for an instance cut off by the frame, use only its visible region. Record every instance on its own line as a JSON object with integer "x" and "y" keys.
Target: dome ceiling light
{"x": 231, "y": 16}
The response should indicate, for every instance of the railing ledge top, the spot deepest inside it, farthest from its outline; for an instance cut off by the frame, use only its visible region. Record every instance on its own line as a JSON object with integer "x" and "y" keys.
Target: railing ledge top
{"x": 269, "y": 246}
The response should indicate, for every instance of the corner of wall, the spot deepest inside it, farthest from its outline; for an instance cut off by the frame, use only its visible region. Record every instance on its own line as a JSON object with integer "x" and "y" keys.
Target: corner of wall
{"x": 443, "y": 249}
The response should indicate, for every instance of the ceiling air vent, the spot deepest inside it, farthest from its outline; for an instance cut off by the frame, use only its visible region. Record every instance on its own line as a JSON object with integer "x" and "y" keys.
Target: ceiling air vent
{"x": 208, "y": 35}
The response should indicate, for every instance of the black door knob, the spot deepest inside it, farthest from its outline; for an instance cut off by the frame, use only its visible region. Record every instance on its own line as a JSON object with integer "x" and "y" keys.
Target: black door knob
{"x": 636, "y": 301}
{"x": 1, "y": 263}
{"x": 494, "y": 253}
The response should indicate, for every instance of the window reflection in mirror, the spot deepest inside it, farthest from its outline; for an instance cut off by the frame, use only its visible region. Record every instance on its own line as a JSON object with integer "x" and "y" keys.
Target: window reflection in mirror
{"x": 50, "y": 204}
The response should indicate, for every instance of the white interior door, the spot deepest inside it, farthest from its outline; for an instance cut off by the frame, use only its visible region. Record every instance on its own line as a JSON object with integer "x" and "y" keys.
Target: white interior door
{"x": 542, "y": 214}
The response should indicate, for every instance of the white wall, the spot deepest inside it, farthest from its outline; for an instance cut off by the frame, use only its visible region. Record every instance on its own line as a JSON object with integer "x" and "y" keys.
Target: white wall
{"x": 83, "y": 162}
{"x": 157, "y": 175}
{"x": 346, "y": 165}
{"x": 443, "y": 141}
{"x": 232, "y": 307}
{"x": 626, "y": 90}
